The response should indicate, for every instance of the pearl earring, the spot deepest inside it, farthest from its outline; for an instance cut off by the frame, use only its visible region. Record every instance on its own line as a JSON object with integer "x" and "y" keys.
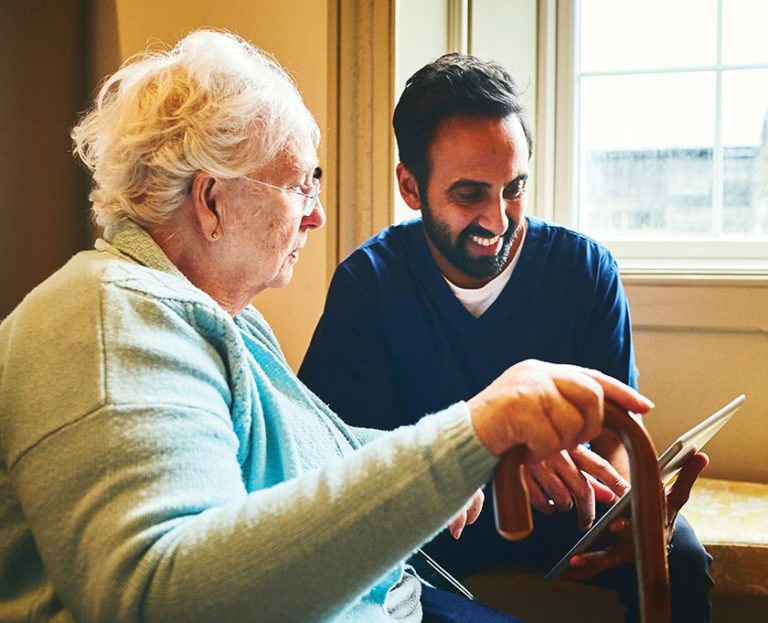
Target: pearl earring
{"x": 214, "y": 235}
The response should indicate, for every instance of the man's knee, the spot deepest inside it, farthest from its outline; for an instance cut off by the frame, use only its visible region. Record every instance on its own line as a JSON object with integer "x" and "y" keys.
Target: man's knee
{"x": 688, "y": 561}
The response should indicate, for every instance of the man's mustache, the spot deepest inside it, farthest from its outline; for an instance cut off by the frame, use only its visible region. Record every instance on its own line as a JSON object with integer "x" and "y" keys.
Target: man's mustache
{"x": 476, "y": 230}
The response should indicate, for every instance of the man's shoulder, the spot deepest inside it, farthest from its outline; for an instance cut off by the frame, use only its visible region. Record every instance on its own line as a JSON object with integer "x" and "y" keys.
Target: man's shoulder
{"x": 563, "y": 240}
{"x": 549, "y": 230}
{"x": 388, "y": 269}
{"x": 392, "y": 250}
{"x": 392, "y": 241}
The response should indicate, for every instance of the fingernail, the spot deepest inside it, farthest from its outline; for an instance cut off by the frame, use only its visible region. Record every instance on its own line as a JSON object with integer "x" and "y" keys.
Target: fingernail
{"x": 578, "y": 561}
{"x": 619, "y": 525}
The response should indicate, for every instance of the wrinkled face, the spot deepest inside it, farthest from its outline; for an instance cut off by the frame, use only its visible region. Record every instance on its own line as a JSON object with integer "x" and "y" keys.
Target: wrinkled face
{"x": 267, "y": 224}
{"x": 476, "y": 196}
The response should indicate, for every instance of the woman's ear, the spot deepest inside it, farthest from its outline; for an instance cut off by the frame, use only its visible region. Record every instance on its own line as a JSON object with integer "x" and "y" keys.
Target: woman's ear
{"x": 409, "y": 189}
{"x": 204, "y": 200}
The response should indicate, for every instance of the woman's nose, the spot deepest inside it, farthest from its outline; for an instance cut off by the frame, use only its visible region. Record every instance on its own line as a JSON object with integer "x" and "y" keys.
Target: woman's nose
{"x": 316, "y": 218}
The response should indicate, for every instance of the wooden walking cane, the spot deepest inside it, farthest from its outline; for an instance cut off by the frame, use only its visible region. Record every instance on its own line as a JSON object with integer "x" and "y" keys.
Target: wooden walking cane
{"x": 513, "y": 514}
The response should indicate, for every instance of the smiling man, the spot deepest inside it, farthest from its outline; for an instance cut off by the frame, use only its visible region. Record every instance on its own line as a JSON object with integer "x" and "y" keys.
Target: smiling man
{"x": 479, "y": 169}
{"x": 430, "y": 311}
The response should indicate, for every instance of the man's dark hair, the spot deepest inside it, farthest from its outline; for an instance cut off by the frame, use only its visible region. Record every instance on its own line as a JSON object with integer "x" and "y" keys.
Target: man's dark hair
{"x": 454, "y": 84}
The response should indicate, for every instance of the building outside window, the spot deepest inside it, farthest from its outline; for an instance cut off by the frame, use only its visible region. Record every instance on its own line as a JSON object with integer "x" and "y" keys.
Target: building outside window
{"x": 671, "y": 124}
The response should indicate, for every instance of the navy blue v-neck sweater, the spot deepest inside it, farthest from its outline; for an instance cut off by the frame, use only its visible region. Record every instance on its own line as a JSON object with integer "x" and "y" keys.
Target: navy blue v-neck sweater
{"x": 395, "y": 343}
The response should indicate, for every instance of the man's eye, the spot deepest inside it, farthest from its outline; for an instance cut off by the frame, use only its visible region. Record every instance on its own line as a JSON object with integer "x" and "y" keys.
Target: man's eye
{"x": 468, "y": 196}
{"x": 515, "y": 189}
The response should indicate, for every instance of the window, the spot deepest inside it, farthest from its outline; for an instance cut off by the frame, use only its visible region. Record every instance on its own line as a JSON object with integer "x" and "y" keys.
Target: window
{"x": 651, "y": 118}
{"x": 668, "y": 130}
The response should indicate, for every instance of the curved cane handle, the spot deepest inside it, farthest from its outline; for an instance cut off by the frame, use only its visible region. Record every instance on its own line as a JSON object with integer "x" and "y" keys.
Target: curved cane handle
{"x": 511, "y": 503}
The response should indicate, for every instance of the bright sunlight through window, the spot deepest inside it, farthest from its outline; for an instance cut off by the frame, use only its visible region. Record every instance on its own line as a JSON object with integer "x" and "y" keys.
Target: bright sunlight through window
{"x": 672, "y": 124}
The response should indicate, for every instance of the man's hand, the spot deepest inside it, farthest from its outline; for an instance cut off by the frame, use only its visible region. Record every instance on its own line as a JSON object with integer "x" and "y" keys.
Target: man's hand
{"x": 577, "y": 476}
{"x": 589, "y": 564}
{"x": 467, "y": 515}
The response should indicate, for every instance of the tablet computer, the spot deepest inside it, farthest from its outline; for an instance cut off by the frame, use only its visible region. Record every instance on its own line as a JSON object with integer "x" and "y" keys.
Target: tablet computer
{"x": 670, "y": 463}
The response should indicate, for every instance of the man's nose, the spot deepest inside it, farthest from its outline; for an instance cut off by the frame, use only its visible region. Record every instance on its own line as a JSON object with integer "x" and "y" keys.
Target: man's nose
{"x": 494, "y": 216}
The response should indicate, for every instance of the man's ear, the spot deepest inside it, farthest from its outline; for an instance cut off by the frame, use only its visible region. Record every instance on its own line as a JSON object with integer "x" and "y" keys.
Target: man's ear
{"x": 206, "y": 210}
{"x": 409, "y": 189}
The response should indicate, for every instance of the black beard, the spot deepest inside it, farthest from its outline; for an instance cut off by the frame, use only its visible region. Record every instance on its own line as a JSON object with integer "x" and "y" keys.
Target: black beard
{"x": 481, "y": 267}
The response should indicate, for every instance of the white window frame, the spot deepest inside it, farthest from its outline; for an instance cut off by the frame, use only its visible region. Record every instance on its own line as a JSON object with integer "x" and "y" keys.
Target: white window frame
{"x": 557, "y": 120}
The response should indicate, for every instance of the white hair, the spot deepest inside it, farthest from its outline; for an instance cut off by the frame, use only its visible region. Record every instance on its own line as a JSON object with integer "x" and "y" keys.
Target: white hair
{"x": 213, "y": 103}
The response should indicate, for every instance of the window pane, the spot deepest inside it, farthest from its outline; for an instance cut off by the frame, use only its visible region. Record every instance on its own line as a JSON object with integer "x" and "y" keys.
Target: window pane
{"x": 745, "y": 157}
{"x": 653, "y": 34}
{"x": 646, "y": 145}
{"x": 744, "y": 32}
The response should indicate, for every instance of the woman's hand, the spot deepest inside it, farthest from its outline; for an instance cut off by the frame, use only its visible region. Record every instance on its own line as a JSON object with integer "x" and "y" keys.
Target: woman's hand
{"x": 621, "y": 550}
{"x": 467, "y": 515}
{"x": 547, "y": 408}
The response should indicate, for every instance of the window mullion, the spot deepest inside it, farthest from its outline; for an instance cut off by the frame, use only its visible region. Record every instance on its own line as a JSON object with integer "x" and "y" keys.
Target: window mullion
{"x": 718, "y": 153}
{"x": 567, "y": 115}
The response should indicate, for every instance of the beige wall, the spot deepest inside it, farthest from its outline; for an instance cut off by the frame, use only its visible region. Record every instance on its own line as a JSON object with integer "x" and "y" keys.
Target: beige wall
{"x": 297, "y": 33}
{"x": 699, "y": 343}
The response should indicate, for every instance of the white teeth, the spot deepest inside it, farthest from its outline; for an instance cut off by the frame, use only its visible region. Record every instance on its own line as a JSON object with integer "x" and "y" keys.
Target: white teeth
{"x": 485, "y": 242}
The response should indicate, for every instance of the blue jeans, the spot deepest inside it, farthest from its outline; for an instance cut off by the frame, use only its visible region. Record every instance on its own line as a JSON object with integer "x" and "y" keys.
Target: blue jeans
{"x": 444, "y": 607}
{"x": 480, "y": 548}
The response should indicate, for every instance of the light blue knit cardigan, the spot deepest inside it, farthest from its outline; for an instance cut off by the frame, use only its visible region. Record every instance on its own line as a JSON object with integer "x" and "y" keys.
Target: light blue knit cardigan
{"x": 171, "y": 467}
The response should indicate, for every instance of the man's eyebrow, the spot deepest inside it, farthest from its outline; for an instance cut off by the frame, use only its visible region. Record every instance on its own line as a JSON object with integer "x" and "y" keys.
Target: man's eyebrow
{"x": 468, "y": 182}
{"x": 463, "y": 182}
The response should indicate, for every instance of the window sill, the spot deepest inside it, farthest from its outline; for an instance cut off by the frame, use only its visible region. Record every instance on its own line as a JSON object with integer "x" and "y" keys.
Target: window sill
{"x": 752, "y": 273}
{"x": 715, "y": 300}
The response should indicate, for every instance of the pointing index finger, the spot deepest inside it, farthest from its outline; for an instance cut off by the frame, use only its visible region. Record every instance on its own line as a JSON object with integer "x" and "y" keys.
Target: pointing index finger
{"x": 621, "y": 394}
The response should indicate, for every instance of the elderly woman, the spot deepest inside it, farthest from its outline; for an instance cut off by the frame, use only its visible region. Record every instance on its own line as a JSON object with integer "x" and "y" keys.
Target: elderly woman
{"x": 160, "y": 460}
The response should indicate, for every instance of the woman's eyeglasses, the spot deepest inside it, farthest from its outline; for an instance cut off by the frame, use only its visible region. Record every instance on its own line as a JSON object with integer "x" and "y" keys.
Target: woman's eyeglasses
{"x": 310, "y": 198}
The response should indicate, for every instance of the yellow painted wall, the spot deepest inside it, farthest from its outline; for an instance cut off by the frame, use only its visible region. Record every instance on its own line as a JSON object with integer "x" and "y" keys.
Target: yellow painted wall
{"x": 297, "y": 34}
{"x": 698, "y": 344}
